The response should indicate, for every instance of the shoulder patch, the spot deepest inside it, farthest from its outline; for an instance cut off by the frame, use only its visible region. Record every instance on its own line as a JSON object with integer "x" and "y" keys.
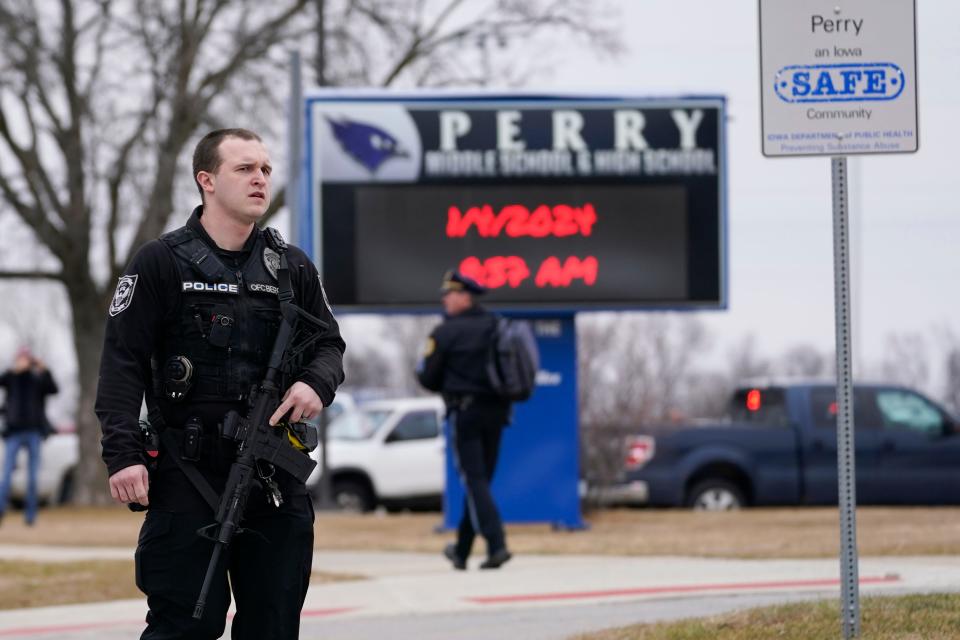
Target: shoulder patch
{"x": 429, "y": 348}
{"x": 124, "y": 294}
{"x": 271, "y": 260}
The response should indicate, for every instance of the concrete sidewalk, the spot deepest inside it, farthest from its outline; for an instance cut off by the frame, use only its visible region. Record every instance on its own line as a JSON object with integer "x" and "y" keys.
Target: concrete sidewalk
{"x": 408, "y": 586}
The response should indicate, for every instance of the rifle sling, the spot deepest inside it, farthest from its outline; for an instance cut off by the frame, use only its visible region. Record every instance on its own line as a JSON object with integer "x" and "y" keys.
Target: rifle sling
{"x": 173, "y": 449}
{"x": 190, "y": 470}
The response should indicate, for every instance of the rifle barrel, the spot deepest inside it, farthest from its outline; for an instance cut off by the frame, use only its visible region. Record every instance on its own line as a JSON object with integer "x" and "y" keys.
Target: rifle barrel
{"x": 207, "y": 579}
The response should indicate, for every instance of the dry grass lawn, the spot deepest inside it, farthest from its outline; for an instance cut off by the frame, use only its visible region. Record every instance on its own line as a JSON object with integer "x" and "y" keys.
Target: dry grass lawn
{"x": 41, "y": 584}
{"x": 753, "y": 533}
{"x": 25, "y": 583}
{"x": 919, "y": 617}
{"x": 32, "y": 584}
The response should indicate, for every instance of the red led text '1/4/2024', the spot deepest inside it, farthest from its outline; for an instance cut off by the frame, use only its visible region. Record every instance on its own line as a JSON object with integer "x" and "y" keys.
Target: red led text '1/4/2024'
{"x": 518, "y": 221}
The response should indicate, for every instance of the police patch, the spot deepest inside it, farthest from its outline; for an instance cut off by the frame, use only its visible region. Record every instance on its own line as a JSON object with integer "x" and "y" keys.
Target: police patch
{"x": 271, "y": 260}
{"x": 124, "y": 294}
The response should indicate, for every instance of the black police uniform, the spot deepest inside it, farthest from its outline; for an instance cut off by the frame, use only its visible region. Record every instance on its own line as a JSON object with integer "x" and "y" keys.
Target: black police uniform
{"x": 455, "y": 364}
{"x": 183, "y": 297}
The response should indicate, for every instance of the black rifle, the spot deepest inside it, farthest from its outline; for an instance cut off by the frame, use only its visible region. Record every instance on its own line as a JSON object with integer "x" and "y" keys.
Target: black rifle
{"x": 259, "y": 444}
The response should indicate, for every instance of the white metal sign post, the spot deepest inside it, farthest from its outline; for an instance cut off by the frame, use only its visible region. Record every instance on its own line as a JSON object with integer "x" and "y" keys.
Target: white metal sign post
{"x": 837, "y": 78}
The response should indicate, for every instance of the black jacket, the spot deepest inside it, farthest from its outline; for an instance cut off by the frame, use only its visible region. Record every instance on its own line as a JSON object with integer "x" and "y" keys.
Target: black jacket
{"x": 136, "y": 325}
{"x": 26, "y": 396}
{"x": 455, "y": 358}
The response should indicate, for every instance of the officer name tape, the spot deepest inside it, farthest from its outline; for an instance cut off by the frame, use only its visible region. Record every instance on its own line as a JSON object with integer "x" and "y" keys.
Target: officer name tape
{"x": 220, "y": 287}
{"x": 223, "y": 287}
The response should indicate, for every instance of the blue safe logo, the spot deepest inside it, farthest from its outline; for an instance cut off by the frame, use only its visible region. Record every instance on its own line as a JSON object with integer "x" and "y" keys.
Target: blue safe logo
{"x": 839, "y": 82}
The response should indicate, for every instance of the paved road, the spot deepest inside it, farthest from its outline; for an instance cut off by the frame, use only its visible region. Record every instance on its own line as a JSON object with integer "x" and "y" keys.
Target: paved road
{"x": 534, "y": 597}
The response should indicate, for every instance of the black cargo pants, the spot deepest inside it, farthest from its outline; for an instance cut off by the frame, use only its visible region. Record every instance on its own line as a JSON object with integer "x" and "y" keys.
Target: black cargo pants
{"x": 476, "y": 428}
{"x": 268, "y": 566}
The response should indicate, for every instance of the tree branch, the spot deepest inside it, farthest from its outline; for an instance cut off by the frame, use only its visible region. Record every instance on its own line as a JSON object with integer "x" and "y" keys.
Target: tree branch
{"x": 37, "y": 179}
{"x": 119, "y": 173}
{"x": 32, "y": 215}
{"x": 31, "y": 275}
{"x": 414, "y": 49}
{"x": 255, "y": 45}
{"x": 103, "y": 23}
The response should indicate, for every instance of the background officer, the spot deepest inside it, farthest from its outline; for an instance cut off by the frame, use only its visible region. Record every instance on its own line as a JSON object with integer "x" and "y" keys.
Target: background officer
{"x": 191, "y": 325}
{"x": 455, "y": 364}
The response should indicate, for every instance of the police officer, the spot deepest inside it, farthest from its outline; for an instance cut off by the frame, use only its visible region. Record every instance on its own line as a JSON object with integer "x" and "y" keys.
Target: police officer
{"x": 455, "y": 364}
{"x": 190, "y": 328}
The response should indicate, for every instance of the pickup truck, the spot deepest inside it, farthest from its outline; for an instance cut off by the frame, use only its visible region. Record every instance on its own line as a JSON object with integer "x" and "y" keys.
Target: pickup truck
{"x": 779, "y": 447}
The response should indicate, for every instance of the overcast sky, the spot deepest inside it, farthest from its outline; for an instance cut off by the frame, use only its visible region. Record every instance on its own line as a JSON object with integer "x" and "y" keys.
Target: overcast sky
{"x": 907, "y": 258}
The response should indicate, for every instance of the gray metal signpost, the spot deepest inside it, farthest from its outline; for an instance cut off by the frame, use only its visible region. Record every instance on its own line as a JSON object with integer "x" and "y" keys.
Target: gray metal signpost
{"x": 299, "y": 234}
{"x": 846, "y": 467}
{"x": 836, "y": 78}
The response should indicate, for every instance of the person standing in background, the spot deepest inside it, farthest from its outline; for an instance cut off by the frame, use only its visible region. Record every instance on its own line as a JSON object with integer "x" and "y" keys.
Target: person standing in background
{"x": 27, "y": 383}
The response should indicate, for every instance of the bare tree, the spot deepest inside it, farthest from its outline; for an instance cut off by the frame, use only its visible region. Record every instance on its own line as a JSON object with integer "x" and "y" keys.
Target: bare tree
{"x": 409, "y": 335}
{"x": 633, "y": 367}
{"x": 596, "y": 368}
{"x": 635, "y": 372}
{"x": 442, "y": 43}
{"x": 101, "y": 100}
{"x": 367, "y": 368}
{"x": 905, "y": 360}
{"x": 948, "y": 344}
{"x": 745, "y": 362}
{"x": 804, "y": 360}
{"x": 951, "y": 391}
{"x": 707, "y": 395}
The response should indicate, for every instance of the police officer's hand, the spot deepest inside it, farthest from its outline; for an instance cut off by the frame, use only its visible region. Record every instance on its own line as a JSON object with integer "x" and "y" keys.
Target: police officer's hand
{"x": 301, "y": 401}
{"x": 130, "y": 485}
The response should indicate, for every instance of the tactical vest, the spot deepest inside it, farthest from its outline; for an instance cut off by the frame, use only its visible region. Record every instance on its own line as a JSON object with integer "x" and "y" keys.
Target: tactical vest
{"x": 226, "y": 322}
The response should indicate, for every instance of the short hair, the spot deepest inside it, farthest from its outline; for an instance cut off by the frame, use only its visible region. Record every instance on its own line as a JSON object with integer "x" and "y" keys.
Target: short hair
{"x": 206, "y": 157}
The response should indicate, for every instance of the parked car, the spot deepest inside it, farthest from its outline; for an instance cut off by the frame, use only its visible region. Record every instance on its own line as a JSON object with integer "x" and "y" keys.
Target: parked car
{"x": 779, "y": 447}
{"x": 386, "y": 452}
{"x": 58, "y": 463}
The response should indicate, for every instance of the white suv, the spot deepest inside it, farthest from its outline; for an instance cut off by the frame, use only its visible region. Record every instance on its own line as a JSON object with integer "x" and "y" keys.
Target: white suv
{"x": 386, "y": 452}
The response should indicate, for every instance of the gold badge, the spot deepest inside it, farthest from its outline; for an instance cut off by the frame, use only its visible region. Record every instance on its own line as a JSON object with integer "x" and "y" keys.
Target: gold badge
{"x": 430, "y": 347}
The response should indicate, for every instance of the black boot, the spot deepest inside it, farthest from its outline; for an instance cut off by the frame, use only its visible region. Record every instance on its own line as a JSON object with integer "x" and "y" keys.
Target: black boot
{"x": 450, "y": 552}
{"x": 496, "y": 559}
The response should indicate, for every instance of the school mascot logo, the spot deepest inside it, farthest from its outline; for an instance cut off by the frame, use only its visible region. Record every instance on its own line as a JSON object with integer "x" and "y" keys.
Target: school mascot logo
{"x": 124, "y": 294}
{"x": 369, "y": 145}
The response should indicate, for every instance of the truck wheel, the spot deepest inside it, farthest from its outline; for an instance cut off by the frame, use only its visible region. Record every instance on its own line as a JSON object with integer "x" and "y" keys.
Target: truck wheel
{"x": 352, "y": 496}
{"x": 715, "y": 495}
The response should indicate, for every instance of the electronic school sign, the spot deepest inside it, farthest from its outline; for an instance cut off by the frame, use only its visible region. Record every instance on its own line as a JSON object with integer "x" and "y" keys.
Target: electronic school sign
{"x": 553, "y": 203}
{"x": 838, "y": 77}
